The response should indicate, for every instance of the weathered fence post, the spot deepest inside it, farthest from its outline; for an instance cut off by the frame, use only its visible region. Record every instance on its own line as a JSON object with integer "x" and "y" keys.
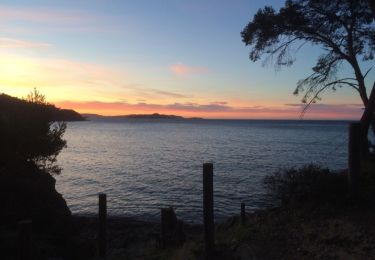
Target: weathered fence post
{"x": 171, "y": 228}
{"x": 163, "y": 213}
{"x": 24, "y": 240}
{"x": 102, "y": 236}
{"x": 172, "y": 232}
{"x": 243, "y": 213}
{"x": 208, "y": 210}
{"x": 354, "y": 158}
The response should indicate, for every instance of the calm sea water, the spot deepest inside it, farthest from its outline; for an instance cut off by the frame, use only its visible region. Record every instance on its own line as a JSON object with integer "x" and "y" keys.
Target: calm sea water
{"x": 145, "y": 165}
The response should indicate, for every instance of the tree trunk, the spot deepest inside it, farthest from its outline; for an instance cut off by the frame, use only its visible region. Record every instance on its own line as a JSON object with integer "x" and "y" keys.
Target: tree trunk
{"x": 372, "y": 5}
{"x": 367, "y": 119}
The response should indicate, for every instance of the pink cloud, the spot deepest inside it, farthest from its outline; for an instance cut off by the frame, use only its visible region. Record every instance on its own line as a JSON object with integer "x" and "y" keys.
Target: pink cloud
{"x": 218, "y": 110}
{"x": 15, "y": 43}
{"x": 182, "y": 69}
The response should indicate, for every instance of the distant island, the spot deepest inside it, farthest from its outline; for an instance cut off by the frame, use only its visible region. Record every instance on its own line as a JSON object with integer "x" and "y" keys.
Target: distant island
{"x": 139, "y": 116}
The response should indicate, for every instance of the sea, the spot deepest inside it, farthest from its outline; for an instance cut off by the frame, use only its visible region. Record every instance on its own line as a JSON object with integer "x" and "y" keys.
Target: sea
{"x": 145, "y": 165}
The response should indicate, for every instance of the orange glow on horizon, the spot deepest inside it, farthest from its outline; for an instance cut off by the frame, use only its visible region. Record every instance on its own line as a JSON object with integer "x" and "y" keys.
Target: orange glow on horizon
{"x": 281, "y": 112}
{"x": 61, "y": 79}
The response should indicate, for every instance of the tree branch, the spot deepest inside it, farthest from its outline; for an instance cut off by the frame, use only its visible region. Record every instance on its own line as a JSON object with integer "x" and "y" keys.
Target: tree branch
{"x": 304, "y": 110}
{"x": 364, "y": 76}
{"x": 353, "y": 85}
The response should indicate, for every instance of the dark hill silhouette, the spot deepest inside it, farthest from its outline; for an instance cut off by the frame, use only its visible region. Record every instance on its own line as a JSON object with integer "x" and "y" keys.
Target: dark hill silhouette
{"x": 68, "y": 115}
{"x": 9, "y": 104}
{"x": 138, "y": 116}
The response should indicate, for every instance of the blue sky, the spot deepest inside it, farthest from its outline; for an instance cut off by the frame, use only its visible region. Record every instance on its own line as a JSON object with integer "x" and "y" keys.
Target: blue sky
{"x": 182, "y": 57}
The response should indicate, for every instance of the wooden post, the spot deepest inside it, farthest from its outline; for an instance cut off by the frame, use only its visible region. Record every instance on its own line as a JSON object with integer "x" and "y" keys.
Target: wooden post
{"x": 102, "y": 236}
{"x": 243, "y": 213}
{"x": 163, "y": 213}
{"x": 354, "y": 158}
{"x": 24, "y": 240}
{"x": 172, "y": 233}
{"x": 208, "y": 210}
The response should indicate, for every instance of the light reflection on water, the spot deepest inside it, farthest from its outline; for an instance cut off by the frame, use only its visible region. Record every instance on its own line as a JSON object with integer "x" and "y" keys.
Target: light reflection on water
{"x": 143, "y": 166}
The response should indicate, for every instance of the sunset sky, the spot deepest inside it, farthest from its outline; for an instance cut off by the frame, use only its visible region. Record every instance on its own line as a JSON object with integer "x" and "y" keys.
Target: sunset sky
{"x": 172, "y": 57}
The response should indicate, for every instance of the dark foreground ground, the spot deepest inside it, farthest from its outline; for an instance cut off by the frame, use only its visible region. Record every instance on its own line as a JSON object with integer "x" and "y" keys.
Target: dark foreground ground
{"x": 306, "y": 232}
{"x": 283, "y": 233}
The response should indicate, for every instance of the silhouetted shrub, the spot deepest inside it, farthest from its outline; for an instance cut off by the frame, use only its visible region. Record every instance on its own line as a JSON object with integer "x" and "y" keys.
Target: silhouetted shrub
{"x": 310, "y": 183}
{"x": 30, "y": 132}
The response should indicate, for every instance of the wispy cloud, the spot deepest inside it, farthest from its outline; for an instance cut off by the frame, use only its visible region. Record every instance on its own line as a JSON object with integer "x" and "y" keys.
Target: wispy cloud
{"x": 16, "y": 43}
{"x": 217, "y": 109}
{"x": 183, "y": 70}
{"x": 31, "y": 14}
{"x": 58, "y": 77}
{"x": 143, "y": 92}
{"x": 168, "y": 93}
{"x": 61, "y": 78}
{"x": 38, "y": 20}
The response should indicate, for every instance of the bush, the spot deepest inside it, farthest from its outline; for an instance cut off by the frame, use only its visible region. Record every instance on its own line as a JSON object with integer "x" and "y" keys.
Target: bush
{"x": 310, "y": 183}
{"x": 29, "y": 133}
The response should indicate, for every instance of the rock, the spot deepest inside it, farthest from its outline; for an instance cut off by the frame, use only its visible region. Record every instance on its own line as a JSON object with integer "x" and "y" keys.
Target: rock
{"x": 29, "y": 193}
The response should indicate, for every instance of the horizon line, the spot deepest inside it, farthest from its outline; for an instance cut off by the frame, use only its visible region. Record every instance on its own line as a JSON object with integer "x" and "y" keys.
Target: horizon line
{"x": 203, "y": 118}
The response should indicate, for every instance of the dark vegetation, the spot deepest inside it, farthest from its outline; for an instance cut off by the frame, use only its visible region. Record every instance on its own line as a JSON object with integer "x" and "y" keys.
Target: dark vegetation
{"x": 314, "y": 185}
{"x": 31, "y": 131}
{"x": 31, "y": 137}
{"x": 308, "y": 184}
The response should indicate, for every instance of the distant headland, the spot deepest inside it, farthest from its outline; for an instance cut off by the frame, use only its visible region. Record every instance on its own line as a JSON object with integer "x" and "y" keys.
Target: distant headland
{"x": 9, "y": 104}
{"x": 139, "y": 116}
